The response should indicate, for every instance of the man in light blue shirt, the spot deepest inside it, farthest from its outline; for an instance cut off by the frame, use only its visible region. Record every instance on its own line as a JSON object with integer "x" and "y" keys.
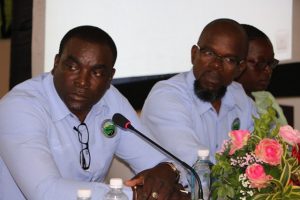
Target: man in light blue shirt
{"x": 56, "y": 131}
{"x": 197, "y": 109}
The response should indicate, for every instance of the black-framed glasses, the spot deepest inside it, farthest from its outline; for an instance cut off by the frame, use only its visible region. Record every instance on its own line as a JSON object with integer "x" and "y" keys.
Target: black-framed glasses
{"x": 262, "y": 65}
{"x": 209, "y": 55}
{"x": 83, "y": 137}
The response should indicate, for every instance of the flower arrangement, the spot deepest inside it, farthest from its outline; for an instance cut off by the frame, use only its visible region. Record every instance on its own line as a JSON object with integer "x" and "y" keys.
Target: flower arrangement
{"x": 258, "y": 165}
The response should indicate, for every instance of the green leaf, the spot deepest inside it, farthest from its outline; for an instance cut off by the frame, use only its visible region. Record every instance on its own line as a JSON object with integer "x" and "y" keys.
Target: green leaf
{"x": 293, "y": 162}
{"x": 286, "y": 174}
{"x": 287, "y": 190}
{"x": 224, "y": 191}
{"x": 278, "y": 184}
{"x": 295, "y": 190}
{"x": 261, "y": 196}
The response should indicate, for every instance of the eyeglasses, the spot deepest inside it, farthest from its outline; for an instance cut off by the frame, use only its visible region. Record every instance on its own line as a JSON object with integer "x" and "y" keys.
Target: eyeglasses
{"x": 83, "y": 137}
{"x": 262, "y": 65}
{"x": 209, "y": 55}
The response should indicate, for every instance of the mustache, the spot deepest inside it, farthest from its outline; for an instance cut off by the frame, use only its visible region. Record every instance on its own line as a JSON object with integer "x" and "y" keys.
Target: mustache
{"x": 207, "y": 95}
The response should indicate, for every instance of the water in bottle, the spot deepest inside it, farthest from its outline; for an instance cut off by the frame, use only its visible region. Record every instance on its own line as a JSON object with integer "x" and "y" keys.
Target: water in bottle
{"x": 116, "y": 190}
{"x": 201, "y": 167}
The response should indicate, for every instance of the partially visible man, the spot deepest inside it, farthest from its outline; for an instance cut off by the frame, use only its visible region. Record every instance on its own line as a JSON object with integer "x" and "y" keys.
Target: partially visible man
{"x": 56, "y": 132}
{"x": 197, "y": 109}
{"x": 256, "y": 77}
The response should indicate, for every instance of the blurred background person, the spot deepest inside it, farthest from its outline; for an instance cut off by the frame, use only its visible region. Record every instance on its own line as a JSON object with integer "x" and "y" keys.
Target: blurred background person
{"x": 260, "y": 63}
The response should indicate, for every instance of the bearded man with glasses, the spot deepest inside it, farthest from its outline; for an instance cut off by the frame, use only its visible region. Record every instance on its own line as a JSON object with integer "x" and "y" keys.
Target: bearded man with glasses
{"x": 197, "y": 109}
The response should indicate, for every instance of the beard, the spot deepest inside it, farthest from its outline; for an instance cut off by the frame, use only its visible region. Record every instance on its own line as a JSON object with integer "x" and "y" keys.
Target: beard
{"x": 206, "y": 95}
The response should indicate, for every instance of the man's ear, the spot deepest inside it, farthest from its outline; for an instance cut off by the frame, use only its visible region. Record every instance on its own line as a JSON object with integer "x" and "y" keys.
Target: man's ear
{"x": 56, "y": 61}
{"x": 240, "y": 69}
{"x": 113, "y": 70}
{"x": 194, "y": 52}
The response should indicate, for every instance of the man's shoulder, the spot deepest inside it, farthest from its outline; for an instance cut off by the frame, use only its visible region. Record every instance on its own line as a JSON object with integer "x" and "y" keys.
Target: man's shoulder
{"x": 176, "y": 84}
{"x": 113, "y": 93}
{"x": 27, "y": 92}
{"x": 239, "y": 95}
{"x": 235, "y": 86}
{"x": 236, "y": 89}
{"x": 114, "y": 98}
{"x": 263, "y": 95}
{"x": 28, "y": 96}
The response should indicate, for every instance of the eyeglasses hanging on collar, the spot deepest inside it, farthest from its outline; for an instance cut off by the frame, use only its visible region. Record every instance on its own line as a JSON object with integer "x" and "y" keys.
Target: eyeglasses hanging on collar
{"x": 83, "y": 137}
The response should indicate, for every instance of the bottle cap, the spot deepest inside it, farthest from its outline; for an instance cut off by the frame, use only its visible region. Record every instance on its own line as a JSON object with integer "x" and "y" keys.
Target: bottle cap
{"x": 116, "y": 183}
{"x": 84, "y": 193}
{"x": 203, "y": 152}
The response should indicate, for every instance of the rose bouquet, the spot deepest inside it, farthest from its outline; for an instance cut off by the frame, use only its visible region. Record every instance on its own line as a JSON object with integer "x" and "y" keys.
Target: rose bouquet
{"x": 258, "y": 165}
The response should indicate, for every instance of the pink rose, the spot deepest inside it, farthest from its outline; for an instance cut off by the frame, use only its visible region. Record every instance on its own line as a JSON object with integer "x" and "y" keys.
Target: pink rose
{"x": 289, "y": 135}
{"x": 257, "y": 176}
{"x": 239, "y": 138}
{"x": 270, "y": 151}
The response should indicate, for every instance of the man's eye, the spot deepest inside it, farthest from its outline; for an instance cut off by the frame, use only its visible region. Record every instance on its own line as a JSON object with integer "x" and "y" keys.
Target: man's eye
{"x": 230, "y": 60}
{"x": 207, "y": 52}
{"x": 71, "y": 66}
{"x": 99, "y": 73}
{"x": 262, "y": 64}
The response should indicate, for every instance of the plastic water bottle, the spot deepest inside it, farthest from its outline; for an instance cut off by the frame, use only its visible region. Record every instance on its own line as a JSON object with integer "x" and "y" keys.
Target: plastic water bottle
{"x": 84, "y": 194}
{"x": 201, "y": 167}
{"x": 116, "y": 190}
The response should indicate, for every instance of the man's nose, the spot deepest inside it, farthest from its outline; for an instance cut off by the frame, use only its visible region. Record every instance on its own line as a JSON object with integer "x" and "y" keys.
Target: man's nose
{"x": 217, "y": 61}
{"x": 83, "y": 79}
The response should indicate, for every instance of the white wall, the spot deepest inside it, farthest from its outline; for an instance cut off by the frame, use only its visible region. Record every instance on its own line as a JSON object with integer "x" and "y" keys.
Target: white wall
{"x": 155, "y": 37}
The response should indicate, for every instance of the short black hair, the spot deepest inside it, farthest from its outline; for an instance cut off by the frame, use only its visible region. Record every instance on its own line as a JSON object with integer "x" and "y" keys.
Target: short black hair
{"x": 91, "y": 34}
{"x": 254, "y": 33}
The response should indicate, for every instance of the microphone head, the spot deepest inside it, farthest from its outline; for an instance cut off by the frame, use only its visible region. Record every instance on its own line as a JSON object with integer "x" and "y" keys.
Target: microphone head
{"x": 121, "y": 121}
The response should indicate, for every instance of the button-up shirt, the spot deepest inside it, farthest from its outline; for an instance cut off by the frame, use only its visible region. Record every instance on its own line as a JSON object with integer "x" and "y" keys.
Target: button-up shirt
{"x": 40, "y": 150}
{"x": 183, "y": 123}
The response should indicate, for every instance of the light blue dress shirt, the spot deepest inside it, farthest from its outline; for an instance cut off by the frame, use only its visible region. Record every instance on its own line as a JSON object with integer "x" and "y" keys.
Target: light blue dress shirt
{"x": 40, "y": 150}
{"x": 183, "y": 123}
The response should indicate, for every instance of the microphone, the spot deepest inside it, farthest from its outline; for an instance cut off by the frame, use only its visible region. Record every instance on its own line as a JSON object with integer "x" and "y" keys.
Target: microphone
{"x": 124, "y": 123}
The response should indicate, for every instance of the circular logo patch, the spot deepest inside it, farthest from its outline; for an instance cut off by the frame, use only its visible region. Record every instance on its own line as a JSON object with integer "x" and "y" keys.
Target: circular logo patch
{"x": 108, "y": 128}
{"x": 236, "y": 124}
